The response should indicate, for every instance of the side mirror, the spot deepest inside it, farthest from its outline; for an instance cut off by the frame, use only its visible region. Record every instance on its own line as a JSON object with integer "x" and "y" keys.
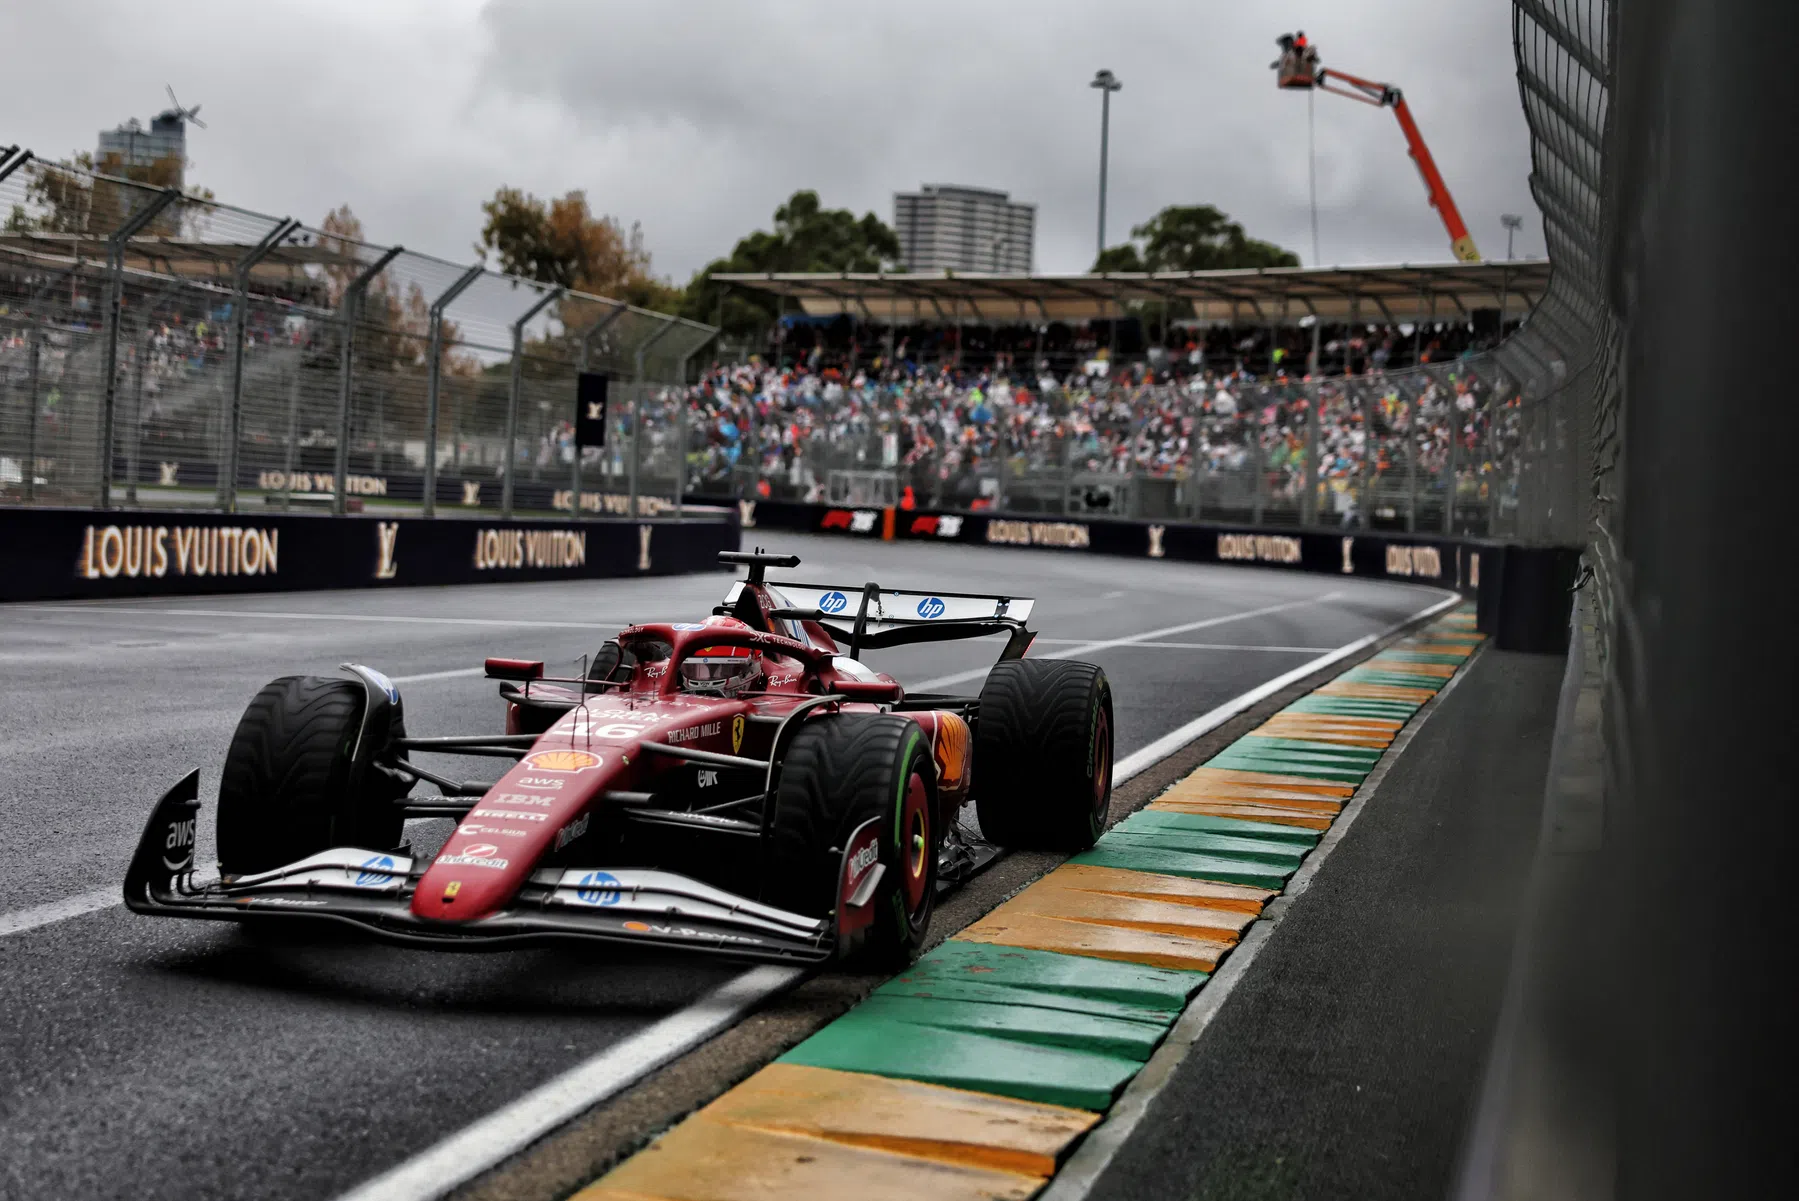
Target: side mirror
{"x": 524, "y": 670}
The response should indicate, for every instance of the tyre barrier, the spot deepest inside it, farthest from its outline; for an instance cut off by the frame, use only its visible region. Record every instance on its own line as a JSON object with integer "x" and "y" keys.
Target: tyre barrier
{"x": 50, "y": 554}
{"x": 1524, "y": 592}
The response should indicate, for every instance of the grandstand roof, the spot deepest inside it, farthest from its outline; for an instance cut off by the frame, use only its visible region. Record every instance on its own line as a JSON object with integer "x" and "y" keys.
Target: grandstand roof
{"x": 1245, "y": 297}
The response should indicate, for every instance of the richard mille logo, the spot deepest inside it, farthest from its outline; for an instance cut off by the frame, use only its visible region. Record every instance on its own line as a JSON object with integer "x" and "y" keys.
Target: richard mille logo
{"x": 387, "y": 533}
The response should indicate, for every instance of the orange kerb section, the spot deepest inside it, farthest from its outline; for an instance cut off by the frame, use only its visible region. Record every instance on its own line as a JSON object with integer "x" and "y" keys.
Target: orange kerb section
{"x": 1214, "y": 781}
{"x": 1376, "y": 692}
{"x": 791, "y": 1131}
{"x": 1150, "y": 886}
{"x": 1127, "y": 945}
{"x": 1127, "y": 900}
{"x": 1440, "y": 671}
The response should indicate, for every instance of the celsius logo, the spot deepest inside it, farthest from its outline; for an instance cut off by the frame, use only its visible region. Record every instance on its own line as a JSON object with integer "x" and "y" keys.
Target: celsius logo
{"x": 598, "y": 888}
{"x": 376, "y": 871}
{"x": 833, "y": 602}
{"x": 930, "y": 607}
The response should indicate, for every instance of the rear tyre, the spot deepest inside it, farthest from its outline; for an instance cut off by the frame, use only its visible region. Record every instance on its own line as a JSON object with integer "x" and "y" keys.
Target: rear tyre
{"x": 1043, "y": 754}
{"x": 840, "y": 771}
{"x": 285, "y": 792}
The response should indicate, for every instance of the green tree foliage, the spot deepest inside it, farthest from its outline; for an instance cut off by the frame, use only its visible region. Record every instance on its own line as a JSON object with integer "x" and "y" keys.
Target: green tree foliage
{"x": 82, "y": 196}
{"x": 561, "y": 241}
{"x": 1194, "y": 237}
{"x": 806, "y": 237}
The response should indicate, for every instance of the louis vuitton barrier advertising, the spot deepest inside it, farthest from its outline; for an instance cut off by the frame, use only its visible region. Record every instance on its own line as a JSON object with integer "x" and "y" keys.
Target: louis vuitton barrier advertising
{"x": 47, "y": 554}
{"x": 1444, "y": 562}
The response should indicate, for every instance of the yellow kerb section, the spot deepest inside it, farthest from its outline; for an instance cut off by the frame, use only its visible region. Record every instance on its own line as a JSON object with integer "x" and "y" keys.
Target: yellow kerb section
{"x": 793, "y": 1132}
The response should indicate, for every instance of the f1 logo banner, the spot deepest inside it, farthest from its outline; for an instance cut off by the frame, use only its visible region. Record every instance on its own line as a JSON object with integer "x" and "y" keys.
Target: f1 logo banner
{"x": 590, "y": 409}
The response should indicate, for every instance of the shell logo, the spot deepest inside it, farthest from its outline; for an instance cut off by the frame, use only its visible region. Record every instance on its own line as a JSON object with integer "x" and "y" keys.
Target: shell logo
{"x": 952, "y": 749}
{"x": 637, "y": 927}
{"x": 561, "y": 761}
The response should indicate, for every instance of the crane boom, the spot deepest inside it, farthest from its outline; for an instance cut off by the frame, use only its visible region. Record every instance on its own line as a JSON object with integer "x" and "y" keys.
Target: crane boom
{"x": 1299, "y": 69}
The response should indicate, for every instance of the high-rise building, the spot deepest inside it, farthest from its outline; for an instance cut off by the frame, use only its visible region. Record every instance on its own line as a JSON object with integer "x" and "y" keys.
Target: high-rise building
{"x": 133, "y": 146}
{"x": 964, "y": 229}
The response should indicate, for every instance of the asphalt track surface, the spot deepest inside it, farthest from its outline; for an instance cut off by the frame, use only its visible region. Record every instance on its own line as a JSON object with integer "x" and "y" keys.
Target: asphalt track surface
{"x": 157, "y": 1058}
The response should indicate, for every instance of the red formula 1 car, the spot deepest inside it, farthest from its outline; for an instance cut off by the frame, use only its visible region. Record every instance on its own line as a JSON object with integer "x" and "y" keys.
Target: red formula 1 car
{"x": 743, "y": 785}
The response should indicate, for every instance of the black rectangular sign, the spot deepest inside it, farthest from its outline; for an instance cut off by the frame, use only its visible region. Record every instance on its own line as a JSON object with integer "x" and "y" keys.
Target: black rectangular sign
{"x": 590, "y": 409}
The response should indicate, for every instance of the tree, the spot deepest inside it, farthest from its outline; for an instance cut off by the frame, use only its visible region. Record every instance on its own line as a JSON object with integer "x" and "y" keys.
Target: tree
{"x": 83, "y": 196}
{"x": 393, "y": 325}
{"x": 807, "y": 237}
{"x": 1192, "y": 238}
{"x": 560, "y": 241}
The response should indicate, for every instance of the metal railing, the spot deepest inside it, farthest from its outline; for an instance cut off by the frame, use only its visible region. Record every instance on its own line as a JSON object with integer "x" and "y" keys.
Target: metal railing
{"x": 162, "y": 349}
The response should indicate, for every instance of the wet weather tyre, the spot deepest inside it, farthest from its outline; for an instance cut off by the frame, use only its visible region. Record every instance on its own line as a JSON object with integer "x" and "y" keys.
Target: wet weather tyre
{"x": 1043, "y": 754}
{"x": 840, "y": 771}
{"x": 285, "y": 791}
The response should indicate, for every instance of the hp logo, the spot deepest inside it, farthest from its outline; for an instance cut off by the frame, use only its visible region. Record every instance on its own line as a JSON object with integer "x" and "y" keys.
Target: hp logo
{"x": 833, "y": 602}
{"x": 598, "y": 888}
{"x": 930, "y": 607}
{"x": 375, "y": 872}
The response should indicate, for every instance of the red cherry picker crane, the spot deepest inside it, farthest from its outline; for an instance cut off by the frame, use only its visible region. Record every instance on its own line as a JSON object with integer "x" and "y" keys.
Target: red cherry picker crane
{"x": 1300, "y": 70}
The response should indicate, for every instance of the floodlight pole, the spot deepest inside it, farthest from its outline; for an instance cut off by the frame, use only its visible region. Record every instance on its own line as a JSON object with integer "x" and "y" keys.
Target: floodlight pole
{"x": 512, "y": 396}
{"x": 240, "y": 321}
{"x": 637, "y": 406}
{"x": 581, "y": 364}
{"x": 350, "y": 313}
{"x": 115, "y": 288}
{"x": 1107, "y": 83}
{"x": 434, "y": 381}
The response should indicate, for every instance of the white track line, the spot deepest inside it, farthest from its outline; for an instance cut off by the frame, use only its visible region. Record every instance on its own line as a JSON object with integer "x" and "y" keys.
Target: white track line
{"x": 20, "y": 920}
{"x": 1174, "y": 740}
{"x": 1087, "y": 648}
{"x": 505, "y": 1132}
{"x": 1199, "y": 646}
{"x": 115, "y": 613}
{"x": 1096, "y": 1152}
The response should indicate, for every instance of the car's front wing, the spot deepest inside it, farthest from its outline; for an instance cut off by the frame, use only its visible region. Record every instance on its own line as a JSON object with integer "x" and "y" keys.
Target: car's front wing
{"x": 374, "y": 890}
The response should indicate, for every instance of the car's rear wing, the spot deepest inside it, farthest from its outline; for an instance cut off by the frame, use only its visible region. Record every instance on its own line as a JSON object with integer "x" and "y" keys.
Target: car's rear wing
{"x": 872, "y": 617}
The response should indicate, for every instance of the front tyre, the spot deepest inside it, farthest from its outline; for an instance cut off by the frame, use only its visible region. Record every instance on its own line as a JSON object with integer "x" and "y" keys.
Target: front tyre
{"x": 1043, "y": 754}
{"x": 840, "y": 771}
{"x": 285, "y": 792}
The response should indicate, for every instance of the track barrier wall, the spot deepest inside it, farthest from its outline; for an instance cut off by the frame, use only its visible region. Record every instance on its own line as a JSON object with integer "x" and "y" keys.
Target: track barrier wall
{"x": 50, "y": 554}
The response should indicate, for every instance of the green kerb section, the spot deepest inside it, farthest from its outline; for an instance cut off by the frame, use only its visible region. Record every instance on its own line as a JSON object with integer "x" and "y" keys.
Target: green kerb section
{"x": 1326, "y": 751}
{"x": 1142, "y": 855}
{"x": 1036, "y": 1025}
{"x": 1391, "y": 679}
{"x": 1151, "y": 821}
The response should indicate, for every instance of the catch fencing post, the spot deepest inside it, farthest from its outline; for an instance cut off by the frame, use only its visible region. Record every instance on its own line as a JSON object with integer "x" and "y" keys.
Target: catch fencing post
{"x": 512, "y": 396}
{"x": 434, "y": 381}
{"x": 637, "y": 407}
{"x": 1414, "y": 413}
{"x": 1455, "y": 453}
{"x": 1308, "y": 514}
{"x": 350, "y": 310}
{"x": 31, "y": 416}
{"x": 115, "y": 288}
{"x": 681, "y": 425}
{"x": 581, "y": 365}
{"x": 240, "y": 319}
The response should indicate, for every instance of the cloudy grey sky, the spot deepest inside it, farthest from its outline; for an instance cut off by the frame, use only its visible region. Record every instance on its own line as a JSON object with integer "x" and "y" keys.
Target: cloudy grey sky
{"x": 698, "y": 117}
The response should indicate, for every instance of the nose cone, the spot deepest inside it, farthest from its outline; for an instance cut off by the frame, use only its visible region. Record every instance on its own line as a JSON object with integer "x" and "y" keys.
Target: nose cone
{"x": 497, "y": 846}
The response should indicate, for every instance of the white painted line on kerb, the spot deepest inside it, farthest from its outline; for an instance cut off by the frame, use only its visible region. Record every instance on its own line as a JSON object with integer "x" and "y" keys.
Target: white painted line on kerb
{"x": 1088, "y": 648}
{"x": 1197, "y": 646}
{"x": 21, "y": 920}
{"x": 1174, "y": 740}
{"x": 505, "y": 1132}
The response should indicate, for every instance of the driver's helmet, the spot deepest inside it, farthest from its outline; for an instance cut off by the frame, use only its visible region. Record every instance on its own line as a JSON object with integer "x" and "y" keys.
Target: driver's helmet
{"x": 727, "y": 670}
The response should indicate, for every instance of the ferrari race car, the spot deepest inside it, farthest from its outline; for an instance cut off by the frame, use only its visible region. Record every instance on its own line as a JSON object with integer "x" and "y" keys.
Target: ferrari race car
{"x": 743, "y": 785}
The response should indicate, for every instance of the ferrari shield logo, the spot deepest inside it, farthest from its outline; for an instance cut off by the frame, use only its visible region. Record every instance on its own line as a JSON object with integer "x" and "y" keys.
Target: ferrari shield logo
{"x": 736, "y": 733}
